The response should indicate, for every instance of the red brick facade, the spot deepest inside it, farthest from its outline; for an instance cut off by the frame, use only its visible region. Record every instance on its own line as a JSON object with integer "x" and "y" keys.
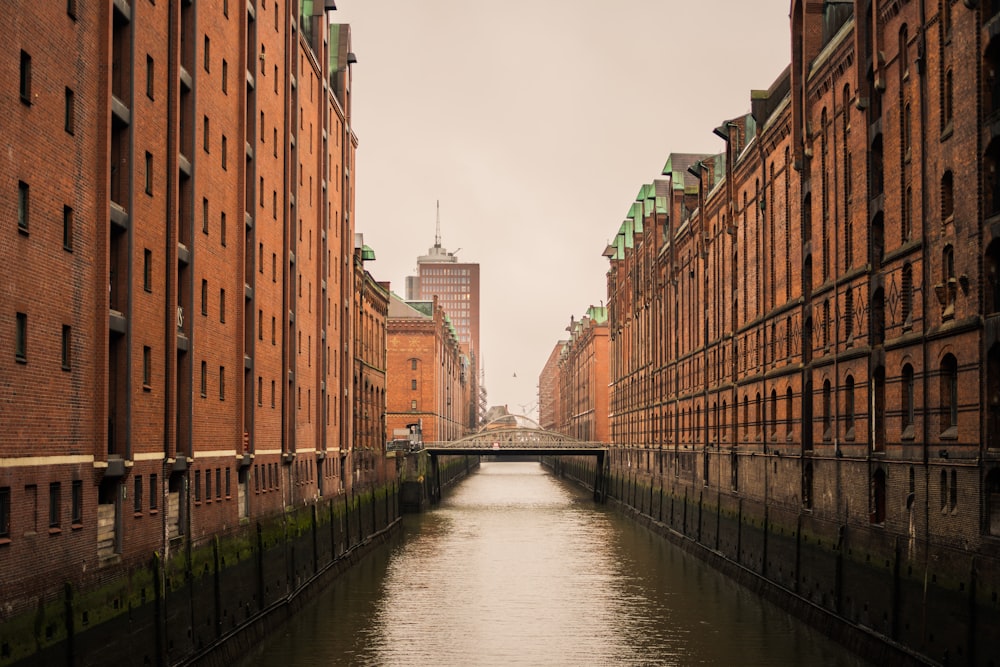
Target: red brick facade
{"x": 549, "y": 406}
{"x": 807, "y": 319}
{"x": 177, "y": 356}
{"x": 428, "y": 374}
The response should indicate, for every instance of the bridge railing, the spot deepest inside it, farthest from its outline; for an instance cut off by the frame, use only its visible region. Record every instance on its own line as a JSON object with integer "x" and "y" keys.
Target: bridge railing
{"x": 516, "y": 437}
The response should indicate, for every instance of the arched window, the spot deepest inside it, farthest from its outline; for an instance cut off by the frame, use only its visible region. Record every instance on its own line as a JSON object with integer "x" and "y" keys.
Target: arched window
{"x": 849, "y": 315}
{"x": 949, "y": 101}
{"x": 904, "y": 52}
{"x": 773, "y": 416}
{"x": 947, "y": 196}
{"x": 788, "y": 413}
{"x": 949, "y": 396}
{"x": 947, "y": 290}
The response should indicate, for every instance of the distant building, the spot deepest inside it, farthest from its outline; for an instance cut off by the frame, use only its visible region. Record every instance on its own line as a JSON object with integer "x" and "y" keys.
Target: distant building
{"x": 430, "y": 380}
{"x": 456, "y": 287}
{"x": 583, "y": 378}
{"x": 548, "y": 390}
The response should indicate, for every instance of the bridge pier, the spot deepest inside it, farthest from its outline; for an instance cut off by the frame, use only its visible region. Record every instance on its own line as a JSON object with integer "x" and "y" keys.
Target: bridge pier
{"x": 599, "y": 479}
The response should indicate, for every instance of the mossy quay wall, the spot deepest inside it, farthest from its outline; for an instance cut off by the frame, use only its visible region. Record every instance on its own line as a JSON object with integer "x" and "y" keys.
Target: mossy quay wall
{"x": 207, "y": 603}
{"x": 894, "y": 600}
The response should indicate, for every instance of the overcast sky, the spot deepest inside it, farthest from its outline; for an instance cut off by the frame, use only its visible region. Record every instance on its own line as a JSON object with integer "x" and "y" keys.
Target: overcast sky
{"x": 535, "y": 122}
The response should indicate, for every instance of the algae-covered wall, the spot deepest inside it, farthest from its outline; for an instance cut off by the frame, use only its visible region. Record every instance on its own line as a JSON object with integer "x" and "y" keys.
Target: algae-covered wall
{"x": 203, "y": 595}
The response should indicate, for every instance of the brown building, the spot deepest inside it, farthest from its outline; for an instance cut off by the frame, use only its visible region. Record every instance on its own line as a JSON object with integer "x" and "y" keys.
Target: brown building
{"x": 429, "y": 374}
{"x": 178, "y": 357}
{"x": 549, "y": 403}
{"x": 371, "y": 303}
{"x": 802, "y": 326}
{"x": 583, "y": 371}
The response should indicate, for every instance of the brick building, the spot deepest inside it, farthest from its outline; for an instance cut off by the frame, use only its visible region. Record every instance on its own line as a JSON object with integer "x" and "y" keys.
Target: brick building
{"x": 802, "y": 326}
{"x": 371, "y": 303}
{"x": 428, "y": 373}
{"x": 578, "y": 403}
{"x": 178, "y": 355}
{"x": 549, "y": 405}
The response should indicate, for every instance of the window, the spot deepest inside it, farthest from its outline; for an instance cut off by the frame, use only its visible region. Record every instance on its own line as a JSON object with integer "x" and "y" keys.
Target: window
{"x": 273, "y": 337}
{"x": 228, "y": 483}
{"x": 152, "y": 494}
{"x": 272, "y": 393}
{"x": 25, "y": 83}
{"x": 223, "y": 152}
{"x": 204, "y": 215}
{"x": 949, "y": 396}
{"x": 204, "y": 297}
{"x": 21, "y": 337}
{"x": 204, "y": 380}
{"x": 947, "y": 196}
{"x": 208, "y": 53}
{"x": 827, "y": 421}
{"x": 69, "y": 113}
{"x": 205, "y": 134}
{"x": 149, "y": 173}
{"x": 413, "y": 364}
{"x": 147, "y": 269}
{"x": 222, "y": 229}
{"x": 137, "y": 495}
{"x": 149, "y": 76}
{"x": 218, "y": 483}
{"x": 907, "y": 295}
{"x": 222, "y": 383}
{"x": 4, "y": 512}
{"x": 67, "y": 228}
{"x": 197, "y": 486}
{"x": 71, "y": 8}
{"x": 76, "y": 504}
{"x": 949, "y": 104}
{"x": 947, "y": 290}
{"x": 55, "y": 505}
{"x": 907, "y": 402}
{"x": 274, "y": 268}
{"x": 147, "y": 362}
{"x": 849, "y": 408}
{"x": 260, "y": 325}
{"x": 23, "y": 201}
{"x": 67, "y": 346}
{"x": 222, "y": 306}
{"x": 208, "y": 485}
{"x": 260, "y": 391}
{"x": 413, "y": 405}
{"x": 225, "y": 76}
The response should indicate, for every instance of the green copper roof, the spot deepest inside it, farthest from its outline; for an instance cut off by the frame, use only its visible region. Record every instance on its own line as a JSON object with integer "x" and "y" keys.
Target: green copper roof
{"x": 599, "y": 314}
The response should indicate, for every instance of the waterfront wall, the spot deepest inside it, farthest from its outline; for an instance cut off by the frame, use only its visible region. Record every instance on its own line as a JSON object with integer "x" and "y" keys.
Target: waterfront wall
{"x": 416, "y": 479}
{"x": 893, "y": 598}
{"x": 207, "y": 603}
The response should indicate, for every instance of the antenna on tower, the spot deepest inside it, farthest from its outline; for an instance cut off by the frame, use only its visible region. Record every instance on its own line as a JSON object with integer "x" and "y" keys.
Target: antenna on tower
{"x": 437, "y": 232}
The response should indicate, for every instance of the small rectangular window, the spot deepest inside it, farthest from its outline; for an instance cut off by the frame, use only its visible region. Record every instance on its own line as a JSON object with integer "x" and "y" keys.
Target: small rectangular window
{"x": 225, "y": 75}
{"x": 67, "y": 228}
{"x": 222, "y": 229}
{"x": 69, "y": 115}
{"x": 273, "y": 331}
{"x": 413, "y": 384}
{"x": 147, "y": 269}
{"x": 204, "y": 297}
{"x": 208, "y": 485}
{"x": 71, "y": 8}
{"x": 222, "y": 305}
{"x": 223, "y": 152}
{"x": 25, "y": 85}
{"x": 260, "y": 325}
{"x": 137, "y": 495}
{"x": 21, "y": 337}
{"x": 274, "y": 267}
{"x": 218, "y": 484}
{"x": 204, "y": 215}
{"x": 76, "y": 503}
{"x": 272, "y": 393}
{"x": 152, "y": 493}
{"x": 67, "y": 346}
{"x": 229, "y": 487}
{"x": 260, "y": 391}
{"x": 204, "y": 134}
{"x": 197, "y": 486}
{"x": 55, "y": 504}
{"x": 149, "y": 173}
{"x": 204, "y": 380}
{"x": 208, "y": 53}
{"x": 4, "y": 512}
{"x": 23, "y": 206}
{"x": 225, "y": 8}
{"x": 413, "y": 405}
{"x": 147, "y": 366}
{"x": 222, "y": 383}
{"x": 149, "y": 76}
{"x": 413, "y": 364}
{"x": 260, "y": 262}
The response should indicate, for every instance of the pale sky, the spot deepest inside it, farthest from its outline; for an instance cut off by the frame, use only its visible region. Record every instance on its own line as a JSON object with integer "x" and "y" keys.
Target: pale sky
{"x": 535, "y": 123}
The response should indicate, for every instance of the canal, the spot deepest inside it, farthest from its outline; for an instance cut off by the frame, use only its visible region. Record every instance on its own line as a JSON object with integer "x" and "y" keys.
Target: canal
{"x": 517, "y": 567}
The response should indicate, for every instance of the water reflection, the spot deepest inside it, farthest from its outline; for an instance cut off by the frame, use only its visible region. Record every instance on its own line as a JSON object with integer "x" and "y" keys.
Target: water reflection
{"x": 516, "y": 567}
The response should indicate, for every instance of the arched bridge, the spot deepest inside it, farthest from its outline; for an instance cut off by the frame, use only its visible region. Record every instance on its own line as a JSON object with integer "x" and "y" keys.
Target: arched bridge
{"x": 508, "y": 440}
